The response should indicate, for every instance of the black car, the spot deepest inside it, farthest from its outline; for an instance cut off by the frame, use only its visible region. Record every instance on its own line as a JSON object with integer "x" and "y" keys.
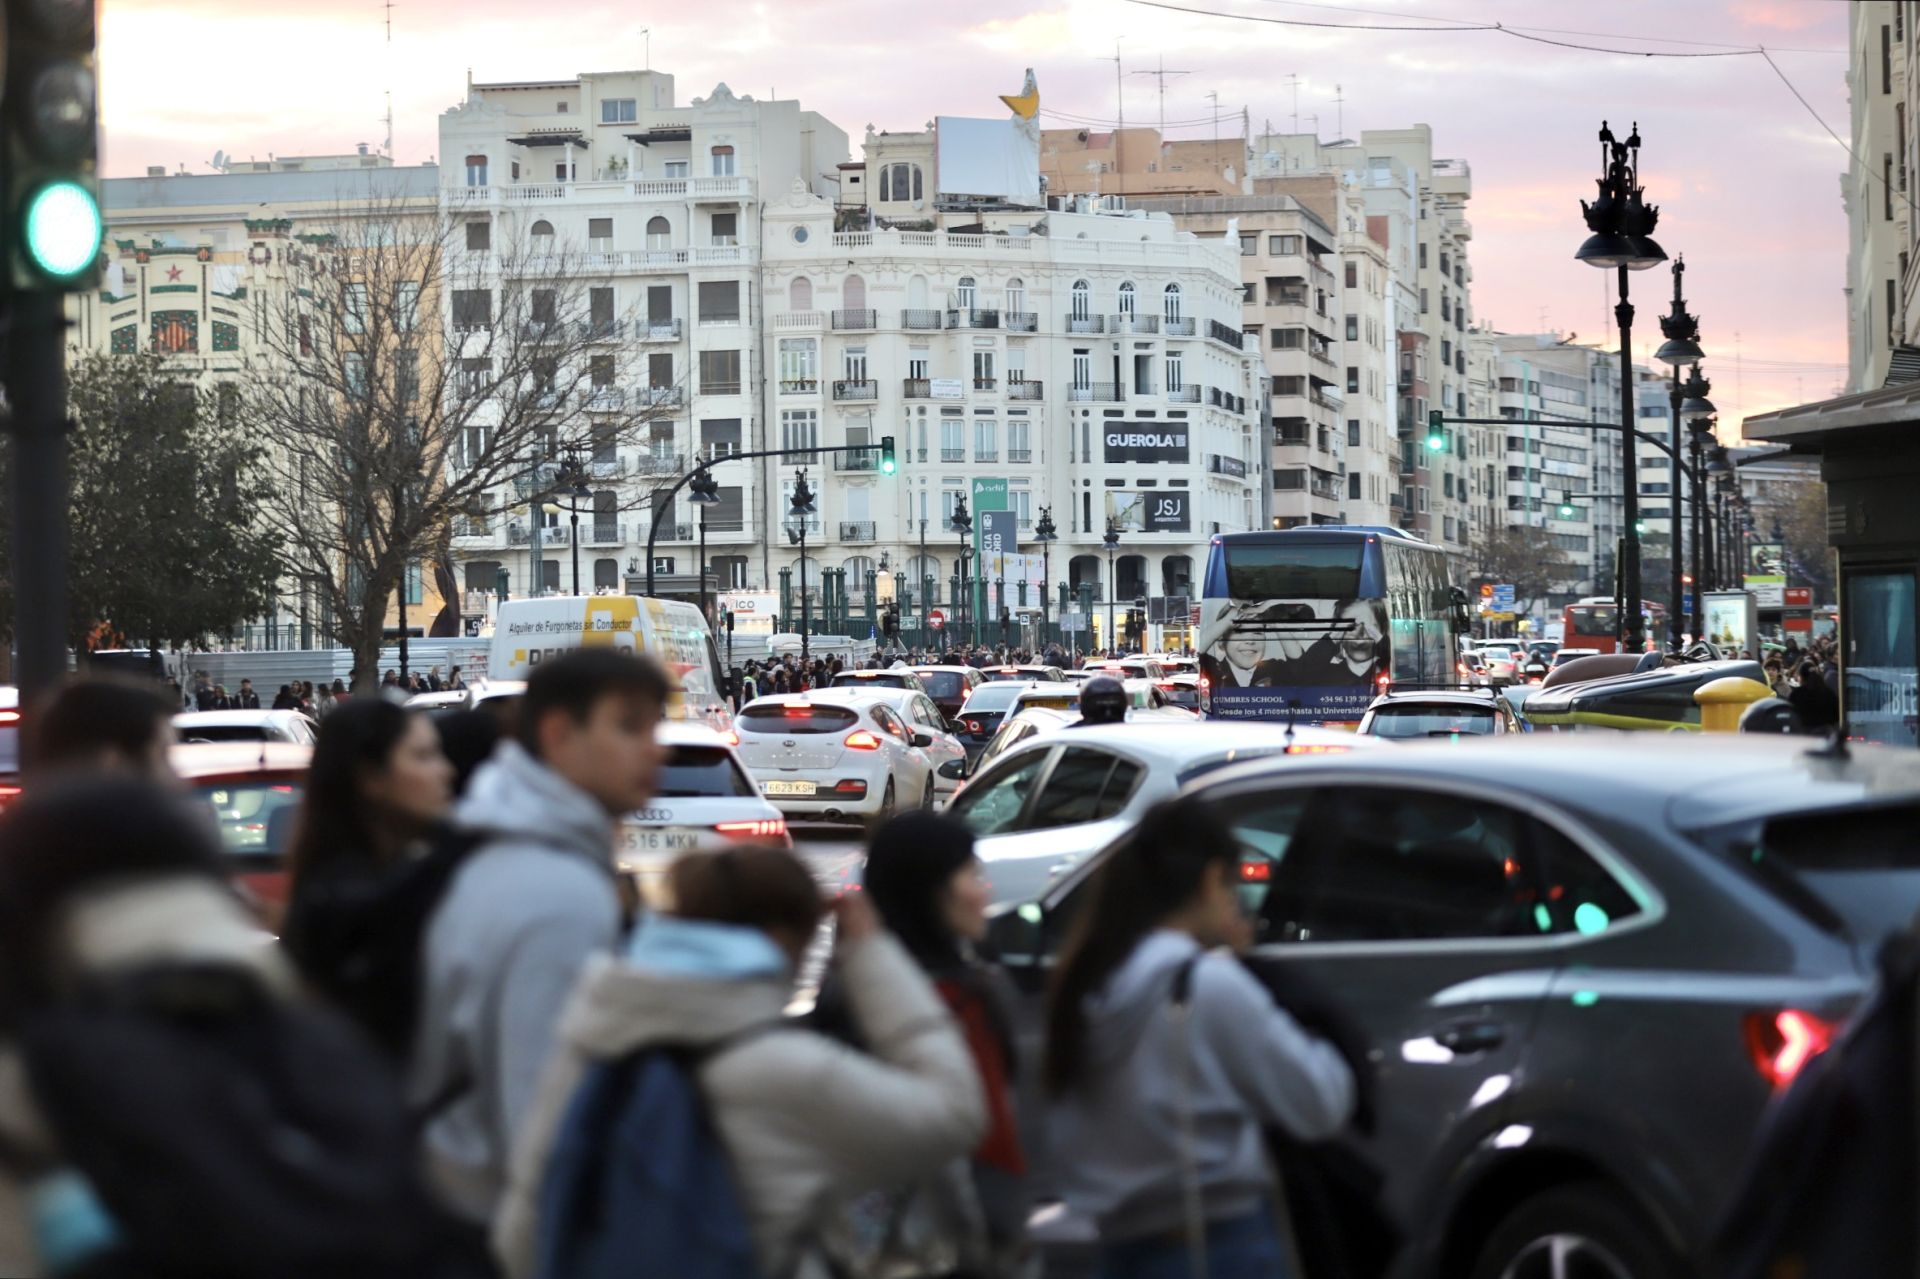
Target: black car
{"x": 986, "y": 706}
{"x": 1583, "y": 965}
{"x": 948, "y": 686}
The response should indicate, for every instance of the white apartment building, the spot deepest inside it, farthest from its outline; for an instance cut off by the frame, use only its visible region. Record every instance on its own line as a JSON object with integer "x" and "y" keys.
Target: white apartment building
{"x": 1089, "y": 362}
{"x": 1881, "y": 89}
{"x": 662, "y": 204}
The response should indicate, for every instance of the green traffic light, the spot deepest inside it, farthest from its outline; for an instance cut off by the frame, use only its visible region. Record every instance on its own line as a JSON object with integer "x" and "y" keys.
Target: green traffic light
{"x": 886, "y": 466}
{"x": 1436, "y": 442}
{"x": 62, "y": 229}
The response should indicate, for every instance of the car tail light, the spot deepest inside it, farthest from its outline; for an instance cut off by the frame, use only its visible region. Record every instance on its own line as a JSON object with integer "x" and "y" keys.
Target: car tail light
{"x": 862, "y": 740}
{"x": 730, "y": 737}
{"x": 1256, "y": 872}
{"x": 766, "y": 828}
{"x": 1164, "y": 683}
{"x": 1383, "y": 679}
{"x": 852, "y": 786}
{"x": 1782, "y": 1043}
{"x": 1461, "y": 667}
{"x": 8, "y": 794}
{"x": 9, "y": 717}
{"x": 1316, "y": 750}
{"x": 797, "y": 712}
{"x": 973, "y": 726}
{"x": 1206, "y": 682}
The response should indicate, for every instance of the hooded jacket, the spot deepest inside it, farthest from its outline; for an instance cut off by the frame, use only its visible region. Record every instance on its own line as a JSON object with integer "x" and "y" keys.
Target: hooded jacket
{"x": 505, "y": 946}
{"x": 1248, "y": 1065}
{"x": 804, "y": 1118}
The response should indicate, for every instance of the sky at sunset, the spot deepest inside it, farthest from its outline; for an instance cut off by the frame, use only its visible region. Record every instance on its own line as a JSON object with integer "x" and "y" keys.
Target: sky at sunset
{"x": 1747, "y": 180}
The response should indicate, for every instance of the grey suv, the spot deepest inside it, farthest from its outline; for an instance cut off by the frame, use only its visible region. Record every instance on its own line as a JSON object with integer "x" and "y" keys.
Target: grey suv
{"x": 1583, "y": 966}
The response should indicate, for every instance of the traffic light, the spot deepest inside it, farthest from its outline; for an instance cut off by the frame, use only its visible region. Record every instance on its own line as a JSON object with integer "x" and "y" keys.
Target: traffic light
{"x": 1436, "y": 431}
{"x": 52, "y": 145}
{"x": 1566, "y": 506}
{"x": 887, "y": 464}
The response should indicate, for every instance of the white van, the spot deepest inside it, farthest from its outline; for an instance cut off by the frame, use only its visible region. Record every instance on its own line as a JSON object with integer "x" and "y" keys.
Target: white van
{"x": 528, "y": 632}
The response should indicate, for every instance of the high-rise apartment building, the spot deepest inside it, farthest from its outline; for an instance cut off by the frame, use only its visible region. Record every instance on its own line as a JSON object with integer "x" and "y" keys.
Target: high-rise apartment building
{"x": 1884, "y": 91}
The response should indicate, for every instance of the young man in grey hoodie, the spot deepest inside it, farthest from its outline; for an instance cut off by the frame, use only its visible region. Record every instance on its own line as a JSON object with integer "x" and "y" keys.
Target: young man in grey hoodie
{"x": 528, "y": 907}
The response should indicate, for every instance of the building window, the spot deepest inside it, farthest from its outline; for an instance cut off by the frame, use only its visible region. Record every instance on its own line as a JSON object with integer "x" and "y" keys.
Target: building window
{"x": 1082, "y": 369}
{"x": 799, "y": 429}
{"x": 1423, "y": 247}
{"x": 963, "y": 294}
{"x": 1170, "y": 303}
{"x": 1126, "y": 298}
{"x": 1283, "y": 246}
{"x": 1290, "y": 339}
{"x": 722, "y": 162}
{"x": 600, "y": 233}
{"x": 719, "y": 302}
{"x": 1081, "y": 300}
{"x": 1353, "y": 380}
{"x": 416, "y": 585}
{"x": 953, "y": 448}
{"x": 1353, "y": 275}
{"x": 541, "y": 230}
{"x": 618, "y": 111}
{"x": 1249, "y": 245}
{"x": 472, "y": 309}
{"x": 674, "y": 169}
{"x": 986, "y": 434}
{"x": 353, "y": 313}
{"x": 1353, "y": 328}
{"x": 476, "y": 170}
{"x": 1176, "y": 372}
{"x": 1353, "y": 432}
{"x": 479, "y": 235}
{"x": 726, "y": 228}
{"x": 1423, "y": 301}
{"x": 1016, "y": 294}
{"x": 406, "y": 306}
{"x": 901, "y": 182}
{"x": 799, "y": 365}
{"x": 720, "y": 372}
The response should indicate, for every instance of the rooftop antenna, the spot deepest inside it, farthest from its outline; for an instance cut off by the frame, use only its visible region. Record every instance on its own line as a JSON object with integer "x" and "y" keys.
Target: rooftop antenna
{"x": 1119, "y": 112}
{"x": 389, "y": 117}
{"x": 1340, "y": 112}
{"x": 646, "y": 33}
{"x": 1293, "y": 79}
{"x": 1161, "y": 73}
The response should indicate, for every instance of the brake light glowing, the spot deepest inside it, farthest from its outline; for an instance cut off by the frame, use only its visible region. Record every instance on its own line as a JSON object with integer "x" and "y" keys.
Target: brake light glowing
{"x": 1461, "y": 667}
{"x": 797, "y": 711}
{"x": 861, "y": 740}
{"x": 851, "y": 787}
{"x": 1256, "y": 872}
{"x": 1782, "y": 1043}
{"x": 1383, "y": 679}
{"x": 973, "y": 726}
{"x": 9, "y": 717}
{"x": 766, "y": 828}
{"x": 1206, "y": 681}
{"x": 730, "y": 737}
{"x": 1298, "y": 749}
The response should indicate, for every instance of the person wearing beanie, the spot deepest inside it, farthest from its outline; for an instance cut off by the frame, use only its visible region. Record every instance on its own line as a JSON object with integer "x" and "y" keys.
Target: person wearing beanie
{"x": 930, "y": 891}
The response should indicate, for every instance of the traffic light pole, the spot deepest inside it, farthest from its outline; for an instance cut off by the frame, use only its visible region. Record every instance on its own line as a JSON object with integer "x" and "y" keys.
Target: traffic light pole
{"x": 36, "y": 392}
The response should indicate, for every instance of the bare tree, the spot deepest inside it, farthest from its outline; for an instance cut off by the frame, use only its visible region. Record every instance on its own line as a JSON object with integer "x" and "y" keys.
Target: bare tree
{"x": 411, "y": 373}
{"x": 1522, "y": 556}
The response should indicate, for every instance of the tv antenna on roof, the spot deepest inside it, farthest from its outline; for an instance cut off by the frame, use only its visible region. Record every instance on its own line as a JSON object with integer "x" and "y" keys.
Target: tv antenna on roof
{"x": 389, "y": 117}
{"x": 1161, "y": 73}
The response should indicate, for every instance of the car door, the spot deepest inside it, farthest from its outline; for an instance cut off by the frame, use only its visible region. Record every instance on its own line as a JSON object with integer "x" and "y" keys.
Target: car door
{"x": 1075, "y": 812}
{"x": 993, "y": 802}
{"x": 912, "y": 775}
{"x": 945, "y": 749}
{"x": 1415, "y": 909}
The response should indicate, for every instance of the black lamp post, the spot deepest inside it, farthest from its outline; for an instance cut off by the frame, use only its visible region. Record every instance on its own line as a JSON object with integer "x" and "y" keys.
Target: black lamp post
{"x": 1112, "y": 542}
{"x": 571, "y": 481}
{"x": 1699, "y": 435}
{"x": 962, "y": 524}
{"x": 1621, "y": 223}
{"x": 1046, "y": 534}
{"x": 1680, "y": 351}
{"x": 703, "y": 491}
{"x": 797, "y": 512}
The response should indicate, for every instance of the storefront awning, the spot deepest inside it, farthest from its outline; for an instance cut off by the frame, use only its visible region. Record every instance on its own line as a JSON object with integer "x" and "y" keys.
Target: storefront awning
{"x": 1809, "y": 427}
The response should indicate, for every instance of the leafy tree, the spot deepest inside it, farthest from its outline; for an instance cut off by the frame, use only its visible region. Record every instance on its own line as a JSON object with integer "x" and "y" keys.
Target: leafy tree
{"x": 165, "y": 544}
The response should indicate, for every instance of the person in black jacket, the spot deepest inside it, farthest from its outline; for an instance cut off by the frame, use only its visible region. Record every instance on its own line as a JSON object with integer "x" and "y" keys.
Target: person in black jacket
{"x": 246, "y": 699}
{"x": 378, "y": 789}
{"x": 1813, "y": 697}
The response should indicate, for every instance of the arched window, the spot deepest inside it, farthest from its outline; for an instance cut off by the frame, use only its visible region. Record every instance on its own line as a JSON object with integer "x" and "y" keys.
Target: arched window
{"x": 606, "y": 574}
{"x": 917, "y": 293}
{"x": 1016, "y": 294}
{"x": 857, "y": 567}
{"x": 1082, "y": 303}
{"x": 1126, "y": 298}
{"x": 659, "y": 234}
{"x": 854, "y": 292}
{"x": 886, "y": 184}
{"x": 963, "y": 296}
{"x": 900, "y": 182}
{"x": 542, "y": 229}
{"x": 916, "y": 182}
{"x": 722, "y": 162}
{"x": 800, "y": 294}
{"x": 1171, "y": 303}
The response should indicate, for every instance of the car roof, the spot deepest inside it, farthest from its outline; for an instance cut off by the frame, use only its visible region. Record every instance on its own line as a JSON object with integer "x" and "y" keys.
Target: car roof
{"x": 686, "y": 732}
{"x": 955, "y": 670}
{"x": 850, "y": 698}
{"x": 191, "y": 719}
{"x": 445, "y": 697}
{"x": 1433, "y": 697}
{"x": 200, "y": 761}
{"x": 1743, "y": 776}
{"x": 865, "y": 673}
{"x": 1172, "y": 741}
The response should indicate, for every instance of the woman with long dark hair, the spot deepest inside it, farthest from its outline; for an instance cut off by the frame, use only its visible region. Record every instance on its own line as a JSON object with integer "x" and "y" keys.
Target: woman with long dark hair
{"x": 378, "y": 790}
{"x": 931, "y": 893}
{"x": 1166, "y": 1060}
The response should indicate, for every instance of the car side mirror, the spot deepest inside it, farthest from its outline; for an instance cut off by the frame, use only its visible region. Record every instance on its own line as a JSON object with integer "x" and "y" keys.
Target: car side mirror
{"x": 954, "y": 770}
{"x": 923, "y": 739}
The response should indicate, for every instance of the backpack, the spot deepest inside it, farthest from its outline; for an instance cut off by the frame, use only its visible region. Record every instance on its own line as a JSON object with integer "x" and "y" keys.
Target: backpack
{"x": 358, "y": 938}
{"x": 232, "y": 1134}
{"x": 1829, "y": 1189}
{"x": 638, "y": 1183}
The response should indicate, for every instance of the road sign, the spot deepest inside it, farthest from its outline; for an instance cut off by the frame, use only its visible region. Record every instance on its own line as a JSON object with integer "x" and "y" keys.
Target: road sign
{"x": 936, "y": 619}
{"x": 1503, "y": 597}
{"x": 1073, "y": 621}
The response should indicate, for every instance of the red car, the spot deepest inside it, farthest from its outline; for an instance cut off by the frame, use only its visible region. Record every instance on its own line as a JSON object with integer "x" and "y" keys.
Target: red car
{"x": 253, "y": 790}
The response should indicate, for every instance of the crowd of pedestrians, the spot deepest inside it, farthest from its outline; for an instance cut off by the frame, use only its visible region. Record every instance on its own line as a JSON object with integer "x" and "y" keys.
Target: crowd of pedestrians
{"x": 474, "y": 1049}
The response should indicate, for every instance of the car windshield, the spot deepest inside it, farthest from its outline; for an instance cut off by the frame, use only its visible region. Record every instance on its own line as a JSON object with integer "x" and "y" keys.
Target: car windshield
{"x": 225, "y": 733}
{"x": 1000, "y": 677}
{"x": 885, "y": 679}
{"x": 944, "y": 685}
{"x": 1430, "y": 721}
{"x": 1855, "y": 870}
{"x": 701, "y": 772}
{"x": 255, "y": 818}
{"x": 779, "y": 717}
{"x": 992, "y": 697}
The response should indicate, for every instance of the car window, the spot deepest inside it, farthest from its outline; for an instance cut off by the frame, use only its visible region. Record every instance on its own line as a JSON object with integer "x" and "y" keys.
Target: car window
{"x": 1570, "y": 892}
{"x": 1433, "y": 721}
{"x": 701, "y": 772}
{"x": 778, "y": 717}
{"x": 1264, "y": 828}
{"x": 888, "y": 720}
{"x": 1006, "y": 740}
{"x": 1852, "y": 869}
{"x": 992, "y": 697}
{"x": 1072, "y": 792}
{"x": 930, "y": 714}
{"x": 255, "y": 818}
{"x": 1121, "y": 783}
{"x": 1383, "y": 864}
{"x": 992, "y": 805}
{"x": 948, "y": 684}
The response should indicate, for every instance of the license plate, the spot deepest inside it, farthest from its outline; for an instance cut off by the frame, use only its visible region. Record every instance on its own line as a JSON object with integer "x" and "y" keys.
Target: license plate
{"x": 660, "y": 841}
{"x": 788, "y": 788}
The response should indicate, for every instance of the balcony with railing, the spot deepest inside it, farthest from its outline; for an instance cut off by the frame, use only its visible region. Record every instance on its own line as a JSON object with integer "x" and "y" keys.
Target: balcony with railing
{"x": 972, "y": 318}
{"x": 1188, "y": 394}
{"x": 601, "y": 330}
{"x": 1023, "y": 389}
{"x": 986, "y": 453}
{"x": 657, "y": 330}
{"x": 659, "y": 462}
{"x": 856, "y": 389}
{"x": 858, "y": 531}
{"x": 1220, "y": 399}
{"x": 986, "y": 384}
{"x": 1020, "y": 321}
{"x": 953, "y": 455}
{"x": 920, "y": 319}
{"x": 521, "y": 535}
{"x": 1178, "y": 326}
{"x": 666, "y": 397}
{"x": 1019, "y": 455}
{"x": 854, "y": 461}
{"x": 916, "y": 388}
{"x": 606, "y": 468}
{"x": 1124, "y": 323}
{"x": 615, "y": 191}
{"x": 1321, "y": 399}
{"x": 859, "y": 318}
{"x": 474, "y": 530}
{"x": 720, "y": 386}
{"x": 1096, "y": 393}
{"x": 725, "y": 527}
{"x": 603, "y": 534}
{"x": 1226, "y": 335}
{"x": 1086, "y": 323}
{"x": 606, "y": 399}
{"x": 799, "y": 386}
{"x": 800, "y": 320}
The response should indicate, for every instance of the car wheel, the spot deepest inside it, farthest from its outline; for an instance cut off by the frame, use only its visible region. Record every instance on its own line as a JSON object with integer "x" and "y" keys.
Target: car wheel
{"x": 1583, "y": 1231}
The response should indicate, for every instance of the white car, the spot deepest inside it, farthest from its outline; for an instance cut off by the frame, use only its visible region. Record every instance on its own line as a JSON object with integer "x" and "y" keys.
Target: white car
{"x": 835, "y": 754}
{"x": 1038, "y": 808}
{"x": 245, "y": 726}
{"x": 706, "y": 801}
{"x": 922, "y": 716}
